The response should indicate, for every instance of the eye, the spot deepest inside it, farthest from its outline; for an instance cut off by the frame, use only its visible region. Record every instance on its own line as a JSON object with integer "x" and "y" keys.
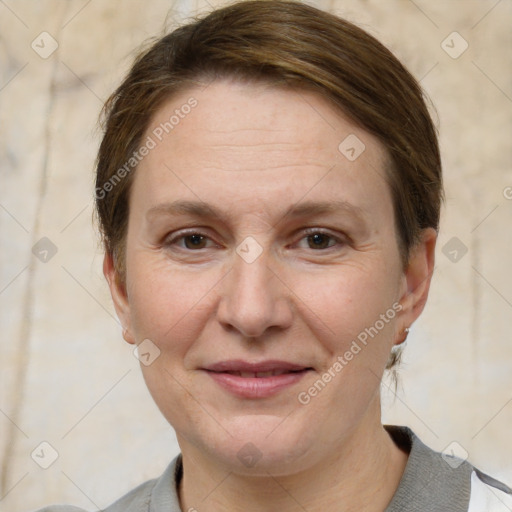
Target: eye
{"x": 190, "y": 241}
{"x": 318, "y": 240}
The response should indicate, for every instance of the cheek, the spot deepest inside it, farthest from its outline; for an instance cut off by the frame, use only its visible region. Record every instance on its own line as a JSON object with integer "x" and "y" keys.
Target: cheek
{"x": 351, "y": 313}
{"x": 345, "y": 301}
{"x": 168, "y": 304}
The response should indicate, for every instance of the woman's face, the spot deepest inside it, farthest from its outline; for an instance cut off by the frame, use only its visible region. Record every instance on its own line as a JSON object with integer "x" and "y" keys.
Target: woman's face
{"x": 262, "y": 259}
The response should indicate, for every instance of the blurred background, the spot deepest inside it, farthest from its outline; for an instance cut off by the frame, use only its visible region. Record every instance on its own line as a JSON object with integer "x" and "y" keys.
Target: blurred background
{"x": 77, "y": 424}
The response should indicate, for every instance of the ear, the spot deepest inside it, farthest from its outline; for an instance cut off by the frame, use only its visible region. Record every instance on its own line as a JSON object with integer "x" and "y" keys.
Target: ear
{"x": 416, "y": 280}
{"x": 119, "y": 297}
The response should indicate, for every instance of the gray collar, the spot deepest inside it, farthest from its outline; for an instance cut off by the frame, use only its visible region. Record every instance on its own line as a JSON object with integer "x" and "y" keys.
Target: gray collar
{"x": 431, "y": 482}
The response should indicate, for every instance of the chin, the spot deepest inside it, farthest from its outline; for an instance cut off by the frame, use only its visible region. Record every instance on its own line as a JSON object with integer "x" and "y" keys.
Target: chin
{"x": 263, "y": 445}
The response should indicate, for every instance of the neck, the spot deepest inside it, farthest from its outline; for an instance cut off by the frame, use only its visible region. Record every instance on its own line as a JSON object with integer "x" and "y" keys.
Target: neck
{"x": 362, "y": 474}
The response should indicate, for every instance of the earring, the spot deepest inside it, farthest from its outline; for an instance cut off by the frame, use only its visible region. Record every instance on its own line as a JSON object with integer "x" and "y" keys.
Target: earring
{"x": 404, "y": 333}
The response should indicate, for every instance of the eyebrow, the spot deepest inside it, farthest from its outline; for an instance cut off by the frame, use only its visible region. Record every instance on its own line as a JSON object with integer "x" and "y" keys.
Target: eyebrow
{"x": 306, "y": 208}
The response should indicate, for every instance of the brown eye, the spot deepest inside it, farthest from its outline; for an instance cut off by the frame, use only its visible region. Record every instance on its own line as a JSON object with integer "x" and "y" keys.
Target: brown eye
{"x": 195, "y": 241}
{"x": 191, "y": 241}
{"x": 319, "y": 241}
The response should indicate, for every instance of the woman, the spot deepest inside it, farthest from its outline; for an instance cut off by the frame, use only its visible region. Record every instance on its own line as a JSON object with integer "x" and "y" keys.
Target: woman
{"x": 268, "y": 189}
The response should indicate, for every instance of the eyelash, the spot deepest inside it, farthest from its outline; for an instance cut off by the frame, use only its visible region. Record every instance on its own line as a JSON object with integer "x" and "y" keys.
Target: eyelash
{"x": 306, "y": 233}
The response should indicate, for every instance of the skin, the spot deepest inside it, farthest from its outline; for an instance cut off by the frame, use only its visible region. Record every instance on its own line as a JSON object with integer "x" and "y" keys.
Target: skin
{"x": 253, "y": 152}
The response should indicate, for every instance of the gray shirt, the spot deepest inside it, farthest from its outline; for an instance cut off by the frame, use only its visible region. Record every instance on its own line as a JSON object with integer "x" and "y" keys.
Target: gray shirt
{"x": 432, "y": 482}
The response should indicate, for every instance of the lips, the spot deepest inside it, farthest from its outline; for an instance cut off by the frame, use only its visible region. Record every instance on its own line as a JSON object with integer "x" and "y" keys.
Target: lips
{"x": 246, "y": 379}
{"x": 259, "y": 375}
{"x": 240, "y": 366}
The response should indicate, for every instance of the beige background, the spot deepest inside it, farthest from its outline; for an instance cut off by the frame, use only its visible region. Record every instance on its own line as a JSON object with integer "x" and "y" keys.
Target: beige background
{"x": 66, "y": 376}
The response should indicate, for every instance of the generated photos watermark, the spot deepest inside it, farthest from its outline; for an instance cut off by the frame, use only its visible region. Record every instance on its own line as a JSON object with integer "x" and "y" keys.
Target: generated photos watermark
{"x": 157, "y": 135}
{"x": 356, "y": 346}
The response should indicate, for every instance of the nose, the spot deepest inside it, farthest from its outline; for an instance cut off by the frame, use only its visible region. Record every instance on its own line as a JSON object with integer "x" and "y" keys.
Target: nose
{"x": 254, "y": 299}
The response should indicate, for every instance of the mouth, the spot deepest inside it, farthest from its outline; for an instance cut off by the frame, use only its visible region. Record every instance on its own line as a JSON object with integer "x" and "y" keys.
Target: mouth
{"x": 256, "y": 380}
{"x": 262, "y": 375}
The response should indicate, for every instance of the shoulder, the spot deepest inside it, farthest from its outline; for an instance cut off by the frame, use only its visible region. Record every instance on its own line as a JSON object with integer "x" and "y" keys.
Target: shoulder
{"x": 152, "y": 493}
{"x": 488, "y": 494}
{"x": 137, "y": 500}
{"x": 60, "y": 508}
{"x": 438, "y": 482}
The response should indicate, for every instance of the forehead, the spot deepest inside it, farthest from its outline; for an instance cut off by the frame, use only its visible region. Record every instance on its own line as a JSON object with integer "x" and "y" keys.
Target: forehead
{"x": 231, "y": 141}
{"x": 248, "y": 111}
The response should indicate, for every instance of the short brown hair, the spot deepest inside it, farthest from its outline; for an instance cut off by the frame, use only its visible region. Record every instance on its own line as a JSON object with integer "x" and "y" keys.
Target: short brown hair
{"x": 291, "y": 44}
